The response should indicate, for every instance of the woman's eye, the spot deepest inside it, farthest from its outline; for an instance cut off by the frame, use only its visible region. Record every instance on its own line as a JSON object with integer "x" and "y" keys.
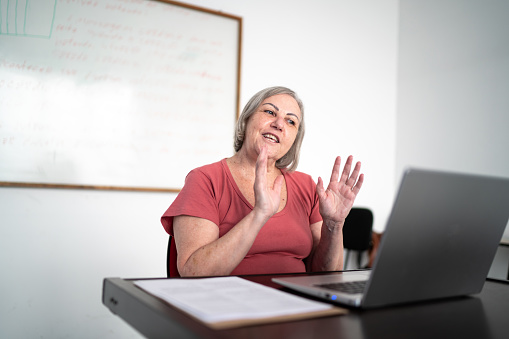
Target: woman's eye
{"x": 269, "y": 112}
{"x": 291, "y": 122}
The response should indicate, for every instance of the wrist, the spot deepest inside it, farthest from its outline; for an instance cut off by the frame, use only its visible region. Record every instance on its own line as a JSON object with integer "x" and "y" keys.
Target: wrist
{"x": 259, "y": 216}
{"x": 333, "y": 225}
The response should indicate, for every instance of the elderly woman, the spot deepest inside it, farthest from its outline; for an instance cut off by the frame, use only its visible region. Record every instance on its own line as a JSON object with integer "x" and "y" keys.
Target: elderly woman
{"x": 253, "y": 213}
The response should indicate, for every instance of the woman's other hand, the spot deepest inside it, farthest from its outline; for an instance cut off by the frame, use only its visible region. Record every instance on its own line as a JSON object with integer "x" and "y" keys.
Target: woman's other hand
{"x": 337, "y": 200}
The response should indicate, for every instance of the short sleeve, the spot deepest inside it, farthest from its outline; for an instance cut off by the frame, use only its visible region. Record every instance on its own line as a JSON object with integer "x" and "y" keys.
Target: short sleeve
{"x": 197, "y": 199}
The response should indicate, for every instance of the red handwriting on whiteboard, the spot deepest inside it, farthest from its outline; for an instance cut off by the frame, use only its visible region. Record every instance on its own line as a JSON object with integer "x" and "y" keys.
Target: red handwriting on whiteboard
{"x": 66, "y": 28}
{"x": 67, "y": 55}
{"x": 123, "y": 9}
{"x": 71, "y": 42}
{"x": 83, "y": 3}
{"x": 27, "y": 67}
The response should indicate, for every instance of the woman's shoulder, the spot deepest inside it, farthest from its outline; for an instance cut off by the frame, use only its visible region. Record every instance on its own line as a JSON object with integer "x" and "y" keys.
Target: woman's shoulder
{"x": 212, "y": 168}
{"x": 213, "y": 173}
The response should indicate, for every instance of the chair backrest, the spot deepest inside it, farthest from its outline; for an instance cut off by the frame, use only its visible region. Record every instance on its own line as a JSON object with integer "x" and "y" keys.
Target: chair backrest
{"x": 171, "y": 259}
{"x": 357, "y": 229}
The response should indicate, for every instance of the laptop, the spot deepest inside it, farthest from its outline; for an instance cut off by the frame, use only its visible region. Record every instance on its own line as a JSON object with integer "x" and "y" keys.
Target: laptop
{"x": 440, "y": 241}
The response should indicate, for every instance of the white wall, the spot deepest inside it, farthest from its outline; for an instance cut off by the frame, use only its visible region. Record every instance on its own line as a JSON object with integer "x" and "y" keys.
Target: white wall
{"x": 56, "y": 246}
{"x": 453, "y": 86}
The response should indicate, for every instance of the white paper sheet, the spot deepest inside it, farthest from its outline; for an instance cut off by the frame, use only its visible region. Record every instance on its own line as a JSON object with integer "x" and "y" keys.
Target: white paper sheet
{"x": 228, "y": 298}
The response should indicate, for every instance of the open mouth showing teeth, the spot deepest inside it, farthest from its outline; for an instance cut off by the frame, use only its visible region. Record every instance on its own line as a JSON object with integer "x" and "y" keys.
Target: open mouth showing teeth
{"x": 271, "y": 137}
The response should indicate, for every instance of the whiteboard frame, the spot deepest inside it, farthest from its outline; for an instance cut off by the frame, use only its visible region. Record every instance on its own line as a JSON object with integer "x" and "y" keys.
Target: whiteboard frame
{"x": 150, "y": 189}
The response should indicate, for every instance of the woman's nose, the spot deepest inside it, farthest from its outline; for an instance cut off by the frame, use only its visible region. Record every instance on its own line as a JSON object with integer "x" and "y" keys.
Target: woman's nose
{"x": 278, "y": 123}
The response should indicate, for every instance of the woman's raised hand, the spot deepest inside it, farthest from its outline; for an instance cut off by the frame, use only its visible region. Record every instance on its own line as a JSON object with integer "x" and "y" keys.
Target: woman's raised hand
{"x": 267, "y": 199}
{"x": 337, "y": 200}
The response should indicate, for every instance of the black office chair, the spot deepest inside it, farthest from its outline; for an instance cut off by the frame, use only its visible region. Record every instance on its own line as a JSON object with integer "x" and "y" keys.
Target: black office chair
{"x": 357, "y": 233}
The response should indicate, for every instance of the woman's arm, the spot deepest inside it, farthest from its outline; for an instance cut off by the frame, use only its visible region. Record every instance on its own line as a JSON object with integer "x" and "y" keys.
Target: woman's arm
{"x": 327, "y": 253}
{"x": 201, "y": 252}
{"x": 335, "y": 204}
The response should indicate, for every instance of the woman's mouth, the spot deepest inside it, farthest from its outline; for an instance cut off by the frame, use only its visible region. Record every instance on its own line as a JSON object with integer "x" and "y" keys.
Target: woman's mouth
{"x": 271, "y": 137}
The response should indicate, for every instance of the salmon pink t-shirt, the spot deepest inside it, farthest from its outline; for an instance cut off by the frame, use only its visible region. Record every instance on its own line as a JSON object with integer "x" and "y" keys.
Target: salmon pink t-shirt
{"x": 210, "y": 192}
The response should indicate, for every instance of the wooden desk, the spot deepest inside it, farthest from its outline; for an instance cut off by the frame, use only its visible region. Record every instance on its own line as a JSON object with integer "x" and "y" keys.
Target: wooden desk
{"x": 480, "y": 316}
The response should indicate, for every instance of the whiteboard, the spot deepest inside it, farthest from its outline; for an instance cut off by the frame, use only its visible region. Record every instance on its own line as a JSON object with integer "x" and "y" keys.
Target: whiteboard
{"x": 110, "y": 93}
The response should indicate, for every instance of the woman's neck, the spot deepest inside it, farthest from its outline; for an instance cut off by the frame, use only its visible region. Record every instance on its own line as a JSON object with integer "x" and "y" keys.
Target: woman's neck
{"x": 247, "y": 164}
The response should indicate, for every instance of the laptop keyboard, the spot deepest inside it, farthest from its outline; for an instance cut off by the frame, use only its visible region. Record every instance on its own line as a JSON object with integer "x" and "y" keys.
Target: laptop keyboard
{"x": 350, "y": 287}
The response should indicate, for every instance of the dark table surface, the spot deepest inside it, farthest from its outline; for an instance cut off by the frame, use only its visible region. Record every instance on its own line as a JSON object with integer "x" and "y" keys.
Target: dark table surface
{"x": 485, "y": 315}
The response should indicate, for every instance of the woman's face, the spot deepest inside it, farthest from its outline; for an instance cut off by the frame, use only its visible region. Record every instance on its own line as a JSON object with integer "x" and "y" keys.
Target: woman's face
{"x": 275, "y": 123}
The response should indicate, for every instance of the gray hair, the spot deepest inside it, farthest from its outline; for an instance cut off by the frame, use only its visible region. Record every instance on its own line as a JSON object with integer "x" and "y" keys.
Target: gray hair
{"x": 291, "y": 159}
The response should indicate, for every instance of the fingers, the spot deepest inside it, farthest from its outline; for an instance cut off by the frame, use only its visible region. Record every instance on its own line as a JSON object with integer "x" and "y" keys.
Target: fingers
{"x": 335, "y": 170}
{"x": 346, "y": 170}
{"x": 278, "y": 184}
{"x": 355, "y": 174}
{"x": 319, "y": 188}
{"x": 352, "y": 179}
{"x": 261, "y": 168}
{"x": 358, "y": 185}
{"x": 261, "y": 173}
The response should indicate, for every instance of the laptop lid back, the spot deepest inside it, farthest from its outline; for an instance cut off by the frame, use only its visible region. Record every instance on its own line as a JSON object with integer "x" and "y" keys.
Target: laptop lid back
{"x": 440, "y": 239}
